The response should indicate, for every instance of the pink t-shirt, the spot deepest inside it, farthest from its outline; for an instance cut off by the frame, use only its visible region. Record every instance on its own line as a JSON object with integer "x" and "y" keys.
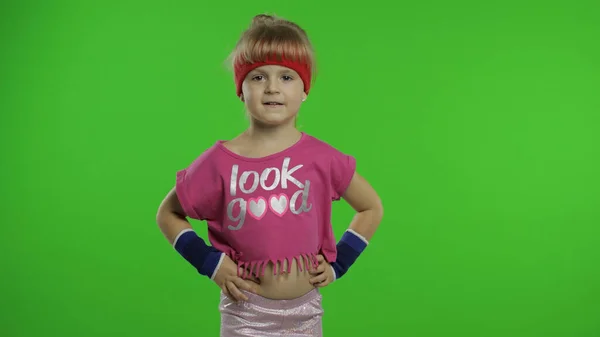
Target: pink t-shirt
{"x": 271, "y": 209}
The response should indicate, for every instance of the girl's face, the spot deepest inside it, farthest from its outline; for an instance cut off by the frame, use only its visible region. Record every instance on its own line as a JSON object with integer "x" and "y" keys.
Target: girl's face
{"x": 273, "y": 94}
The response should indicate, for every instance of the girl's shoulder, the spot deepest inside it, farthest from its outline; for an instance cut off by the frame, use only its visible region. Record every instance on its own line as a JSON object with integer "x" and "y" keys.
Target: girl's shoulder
{"x": 322, "y": 148}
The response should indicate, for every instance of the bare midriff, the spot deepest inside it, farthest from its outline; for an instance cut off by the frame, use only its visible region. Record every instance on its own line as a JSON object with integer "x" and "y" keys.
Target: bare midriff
{"x": 285, "y": 285}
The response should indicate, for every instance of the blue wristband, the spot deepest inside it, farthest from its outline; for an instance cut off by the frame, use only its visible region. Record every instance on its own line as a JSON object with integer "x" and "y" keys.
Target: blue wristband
{"x": 204, "y": 258}
{"x": 348, "y": 250}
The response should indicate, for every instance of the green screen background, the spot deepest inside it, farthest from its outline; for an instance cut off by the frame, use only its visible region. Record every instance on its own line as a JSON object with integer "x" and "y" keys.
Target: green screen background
{"x": 477, "y": 123}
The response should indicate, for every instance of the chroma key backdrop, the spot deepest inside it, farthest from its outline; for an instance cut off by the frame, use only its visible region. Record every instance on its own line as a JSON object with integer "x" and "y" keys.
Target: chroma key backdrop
{"x": 477, "y": 122}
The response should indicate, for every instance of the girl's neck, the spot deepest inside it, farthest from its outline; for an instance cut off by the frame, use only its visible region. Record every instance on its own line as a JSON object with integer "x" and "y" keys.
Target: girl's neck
{"x": 260, "y": 134}
{"x": 259, "y": 142}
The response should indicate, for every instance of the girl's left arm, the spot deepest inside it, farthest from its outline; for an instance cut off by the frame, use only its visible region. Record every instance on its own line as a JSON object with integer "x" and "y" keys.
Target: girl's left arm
{"x": 361, "y": 196}
{"x": 369, "y": 211}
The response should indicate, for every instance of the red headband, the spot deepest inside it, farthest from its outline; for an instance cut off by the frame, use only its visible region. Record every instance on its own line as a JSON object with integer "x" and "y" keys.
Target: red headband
{"x": 242, "y": 69}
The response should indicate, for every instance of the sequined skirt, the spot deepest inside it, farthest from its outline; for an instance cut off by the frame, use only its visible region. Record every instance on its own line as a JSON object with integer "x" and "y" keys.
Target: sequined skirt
{"x": 263, "y": 317}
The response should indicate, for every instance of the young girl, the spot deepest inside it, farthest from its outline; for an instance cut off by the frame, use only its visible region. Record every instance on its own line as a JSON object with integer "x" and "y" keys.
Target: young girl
{"x": 266, "y": 196}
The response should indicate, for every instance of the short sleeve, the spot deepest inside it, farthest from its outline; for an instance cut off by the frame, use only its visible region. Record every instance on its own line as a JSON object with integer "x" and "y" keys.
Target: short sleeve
{"x": 342, "y": 168}
{"x": 199, "y": 188}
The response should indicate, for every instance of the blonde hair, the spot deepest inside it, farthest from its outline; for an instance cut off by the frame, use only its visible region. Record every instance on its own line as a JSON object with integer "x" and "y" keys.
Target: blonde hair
{"x": 270, "y": 36}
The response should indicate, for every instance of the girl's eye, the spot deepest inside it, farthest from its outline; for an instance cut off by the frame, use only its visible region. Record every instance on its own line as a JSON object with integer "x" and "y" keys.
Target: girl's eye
{"x": 261, "y": 77}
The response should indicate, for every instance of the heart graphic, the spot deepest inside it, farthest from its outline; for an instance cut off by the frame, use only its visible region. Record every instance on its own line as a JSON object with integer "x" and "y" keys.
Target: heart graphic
{"x": 257, "y": 208}
{"x": 279, "y": 205}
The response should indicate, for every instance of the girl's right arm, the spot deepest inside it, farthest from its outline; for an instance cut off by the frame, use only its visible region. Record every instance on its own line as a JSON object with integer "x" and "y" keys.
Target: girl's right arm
{"x": 173, "y": 223}
{"x": 171, "y": 218}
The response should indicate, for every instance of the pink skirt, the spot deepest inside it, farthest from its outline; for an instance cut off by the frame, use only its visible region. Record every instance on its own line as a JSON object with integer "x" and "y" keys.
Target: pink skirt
{"x": 263, "y": 317}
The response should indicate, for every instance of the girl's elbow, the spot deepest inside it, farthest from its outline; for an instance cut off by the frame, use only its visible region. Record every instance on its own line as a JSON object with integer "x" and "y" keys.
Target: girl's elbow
{"x": 377, "y": 211}
{"x": 379, "y": 214}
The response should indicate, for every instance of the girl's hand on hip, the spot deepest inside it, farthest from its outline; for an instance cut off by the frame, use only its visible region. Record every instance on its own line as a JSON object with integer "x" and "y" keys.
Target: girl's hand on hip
{"x": 323, "y": 274}
{"x": 228, "y": 280}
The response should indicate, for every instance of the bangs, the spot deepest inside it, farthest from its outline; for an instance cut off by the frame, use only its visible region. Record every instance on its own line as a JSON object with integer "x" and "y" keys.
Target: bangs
{"x": 272, "y": 43}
